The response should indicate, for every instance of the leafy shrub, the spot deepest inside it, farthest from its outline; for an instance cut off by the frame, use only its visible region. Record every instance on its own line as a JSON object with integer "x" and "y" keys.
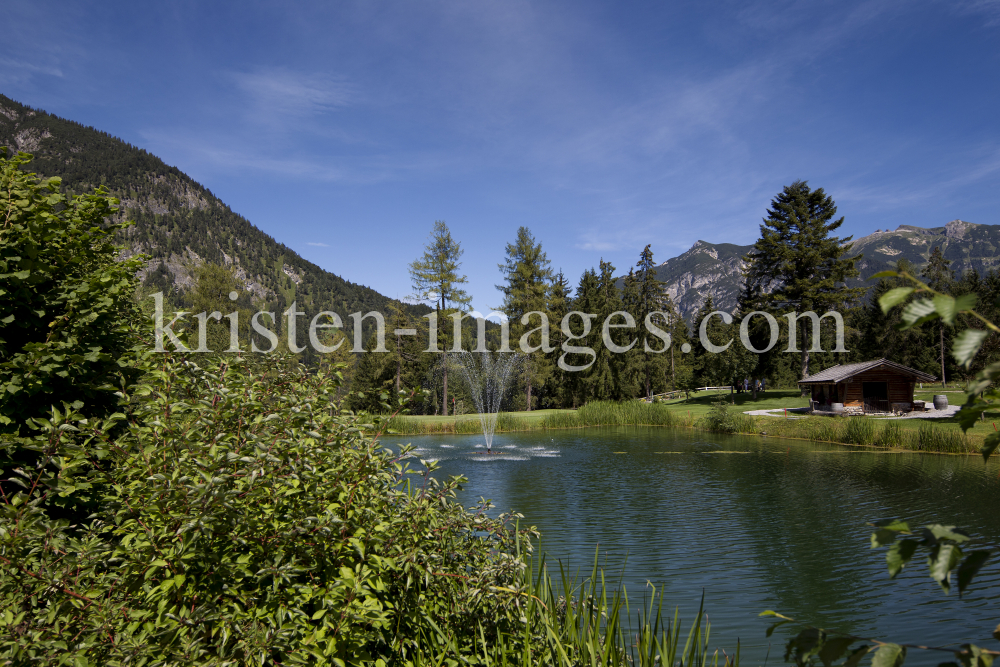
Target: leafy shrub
{"x": 66, "y": 305}
{"x": 242, "y": 519}
{"x": 718, "y": 419}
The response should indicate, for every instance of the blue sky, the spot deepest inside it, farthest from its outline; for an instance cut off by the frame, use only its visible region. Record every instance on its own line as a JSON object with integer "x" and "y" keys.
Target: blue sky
{"x": 345, "y": 129}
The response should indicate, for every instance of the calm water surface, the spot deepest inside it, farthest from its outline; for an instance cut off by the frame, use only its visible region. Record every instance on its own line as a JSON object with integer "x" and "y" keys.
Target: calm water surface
{"x": 756, "y": 523}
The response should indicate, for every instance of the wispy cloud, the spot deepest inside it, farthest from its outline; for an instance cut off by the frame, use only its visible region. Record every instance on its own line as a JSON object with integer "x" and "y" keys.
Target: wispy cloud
{"x": 14, "y": 71}
{"x": 988, "y": 8}
{"x": 943, "y": 183}
{"x": 317, "y": 244}
{"x": 212, "y": 153}
{"x": 280, "y": 95}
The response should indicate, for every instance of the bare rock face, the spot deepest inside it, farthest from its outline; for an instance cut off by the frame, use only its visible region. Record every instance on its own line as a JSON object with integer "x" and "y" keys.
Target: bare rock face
{"x": 956, "y": 229}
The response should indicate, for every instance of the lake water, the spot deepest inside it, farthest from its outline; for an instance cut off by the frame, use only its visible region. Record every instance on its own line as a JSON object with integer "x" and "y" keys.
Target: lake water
{"x": 757, "y": 523}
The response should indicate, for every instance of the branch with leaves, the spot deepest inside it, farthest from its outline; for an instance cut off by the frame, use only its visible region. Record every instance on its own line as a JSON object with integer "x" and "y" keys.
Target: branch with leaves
{"x": 936, "y": 305}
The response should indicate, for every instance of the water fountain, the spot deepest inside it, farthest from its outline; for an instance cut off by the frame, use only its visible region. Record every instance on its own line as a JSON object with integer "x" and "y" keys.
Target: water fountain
{"x": 487, "y": 374}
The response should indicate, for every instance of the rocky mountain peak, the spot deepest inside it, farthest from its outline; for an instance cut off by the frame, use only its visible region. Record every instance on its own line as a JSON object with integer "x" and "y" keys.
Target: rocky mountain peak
{"x": 956, "y": 229}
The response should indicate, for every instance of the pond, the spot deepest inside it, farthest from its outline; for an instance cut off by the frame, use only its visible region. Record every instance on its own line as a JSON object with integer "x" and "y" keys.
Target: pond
{"x": 755, "y": 523}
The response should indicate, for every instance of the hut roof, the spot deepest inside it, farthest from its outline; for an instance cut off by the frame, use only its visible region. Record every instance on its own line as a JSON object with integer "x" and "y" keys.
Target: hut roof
{"x": 841, "y": 372}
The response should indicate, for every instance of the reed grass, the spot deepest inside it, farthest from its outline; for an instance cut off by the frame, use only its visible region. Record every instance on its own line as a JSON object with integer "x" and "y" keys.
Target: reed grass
{"x": 612, "y": 413}
{"x": 888, "y": 434}
{"x": 929, "y": 438}
{"x": 403, "y": 425}
{"x": 862, "y": 431}
{"x": 587, "y": 622}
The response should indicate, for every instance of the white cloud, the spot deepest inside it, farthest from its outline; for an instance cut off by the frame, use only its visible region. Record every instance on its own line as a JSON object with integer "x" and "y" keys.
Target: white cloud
{"x": 317, "y": 244}
{"x": 279, "y": 94}
{"x": 13, "y": 72}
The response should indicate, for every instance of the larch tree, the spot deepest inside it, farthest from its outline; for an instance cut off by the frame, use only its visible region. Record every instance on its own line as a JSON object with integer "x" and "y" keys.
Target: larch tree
{"x": 435, "y": 278}
{"x": 797, "y": 265}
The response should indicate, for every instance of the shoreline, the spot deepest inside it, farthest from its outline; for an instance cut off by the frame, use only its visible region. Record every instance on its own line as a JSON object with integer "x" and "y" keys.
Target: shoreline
{"x": 941, "y": 440}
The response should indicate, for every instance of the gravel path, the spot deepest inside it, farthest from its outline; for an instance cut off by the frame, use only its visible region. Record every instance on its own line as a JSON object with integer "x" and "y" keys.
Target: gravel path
{"x": 932, "y": 414}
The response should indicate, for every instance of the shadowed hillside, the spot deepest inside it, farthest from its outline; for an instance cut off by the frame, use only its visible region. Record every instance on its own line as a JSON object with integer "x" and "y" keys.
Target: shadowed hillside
{"x": 179, "y": 223}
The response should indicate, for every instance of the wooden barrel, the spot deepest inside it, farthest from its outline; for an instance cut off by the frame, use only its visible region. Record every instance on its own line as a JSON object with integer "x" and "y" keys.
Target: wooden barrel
{"x": 837, "y": 408}
{"x": 940, "y": 401}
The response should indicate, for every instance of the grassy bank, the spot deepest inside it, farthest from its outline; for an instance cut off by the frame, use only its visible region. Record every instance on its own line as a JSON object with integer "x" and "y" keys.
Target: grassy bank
{"x": 941, "y": 435}
{"x": 597, "y": 413}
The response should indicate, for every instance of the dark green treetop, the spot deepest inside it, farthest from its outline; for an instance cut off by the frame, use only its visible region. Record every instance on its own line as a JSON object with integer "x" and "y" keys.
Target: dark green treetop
{"x": 797, "y": 264}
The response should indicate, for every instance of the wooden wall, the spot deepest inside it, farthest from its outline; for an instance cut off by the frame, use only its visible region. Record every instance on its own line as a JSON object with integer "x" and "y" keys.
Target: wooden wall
{"x": 900, "y": 387}
{"x": 850, "y": 392}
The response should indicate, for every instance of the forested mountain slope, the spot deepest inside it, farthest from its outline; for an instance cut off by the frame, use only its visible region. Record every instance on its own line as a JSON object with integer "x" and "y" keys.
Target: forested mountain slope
{"x": 179, "y": 223}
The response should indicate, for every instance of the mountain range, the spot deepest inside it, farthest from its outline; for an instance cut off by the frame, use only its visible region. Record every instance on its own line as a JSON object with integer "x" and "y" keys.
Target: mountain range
{"x": 180, "y": 224}
{"x": 716, "y": 268}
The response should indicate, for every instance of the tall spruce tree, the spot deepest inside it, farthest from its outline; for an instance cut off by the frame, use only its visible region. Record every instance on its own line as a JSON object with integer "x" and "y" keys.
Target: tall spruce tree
{"x": 797, "y": 265}
{"x": 653, "y": 298}
{"x": 587, "y": 300}
{"x": 527, "y": 275}
{"x": 606, "y": 378}
{"x": 559, "y": 297}
{"x": 435, "y": 278}
{"x": 632, "y": 364}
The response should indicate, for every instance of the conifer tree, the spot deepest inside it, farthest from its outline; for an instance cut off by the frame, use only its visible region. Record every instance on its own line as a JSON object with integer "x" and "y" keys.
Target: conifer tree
{"x": 559, "y": 293}
{"x": 878, "y": 334}
{"x": 632, "y": 367}
{"x": 527, "y": 274}
{"x": 652, "y": 298}
{"x": 586, "y": 301}
{"x": 605, "y": 378}
{"x": 703, "y": 369}
{"x": 797, "y": 265}
{"x": 435, "y": 278}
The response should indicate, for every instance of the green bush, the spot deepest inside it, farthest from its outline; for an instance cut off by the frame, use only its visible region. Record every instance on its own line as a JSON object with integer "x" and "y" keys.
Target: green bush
{"x": 718, "y": 419}
{"x": 242, "y": 519}
{"x": 66, "y": 304}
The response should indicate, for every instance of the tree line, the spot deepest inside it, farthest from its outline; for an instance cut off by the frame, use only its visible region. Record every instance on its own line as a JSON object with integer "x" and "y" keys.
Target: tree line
{"x": 798, "y": 264}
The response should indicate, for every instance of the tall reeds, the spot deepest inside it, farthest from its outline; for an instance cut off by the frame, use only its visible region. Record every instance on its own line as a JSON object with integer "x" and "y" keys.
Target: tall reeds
{"x": 612, "y": 413}
{"x": 863, "y": 431}
{"x": 588, "y": 623}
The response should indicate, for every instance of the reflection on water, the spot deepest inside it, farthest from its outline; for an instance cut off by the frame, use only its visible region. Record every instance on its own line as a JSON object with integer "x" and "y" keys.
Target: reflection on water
{"x": 757, "y": 523}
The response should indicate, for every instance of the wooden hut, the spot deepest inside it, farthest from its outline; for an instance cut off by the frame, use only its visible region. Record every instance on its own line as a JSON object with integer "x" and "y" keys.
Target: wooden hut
{"x": 878, "y": 386}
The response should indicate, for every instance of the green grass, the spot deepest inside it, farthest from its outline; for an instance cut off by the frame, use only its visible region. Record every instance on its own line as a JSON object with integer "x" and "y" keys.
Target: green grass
{"x": 595, "y": 413}
{"x": 927, "y": 435}
{"x": 701, "y": 403}
{"x": 568, "y": 623}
